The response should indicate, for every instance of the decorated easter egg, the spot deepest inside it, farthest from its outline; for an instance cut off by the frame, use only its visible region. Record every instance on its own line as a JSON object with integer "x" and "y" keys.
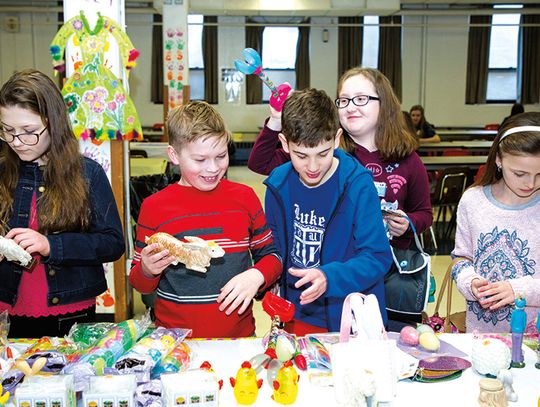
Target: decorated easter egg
{"x": 409, "y": 336}
{"x": 429, "y": 341}
{"x": 490, "y": 355}
{"x": 424, "y": 328}
{"x": 285, "y": 348}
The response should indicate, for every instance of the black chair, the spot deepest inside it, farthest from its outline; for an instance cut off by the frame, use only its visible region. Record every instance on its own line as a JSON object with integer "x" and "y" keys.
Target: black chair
{"x": 448, "y": 191}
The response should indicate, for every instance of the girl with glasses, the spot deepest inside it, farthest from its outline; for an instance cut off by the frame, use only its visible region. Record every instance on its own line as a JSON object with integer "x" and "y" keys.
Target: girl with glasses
{"x": 56, "y": 205}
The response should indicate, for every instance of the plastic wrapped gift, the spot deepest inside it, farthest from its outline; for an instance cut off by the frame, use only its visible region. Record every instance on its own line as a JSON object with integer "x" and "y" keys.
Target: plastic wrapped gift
{"x": 46, "y": 390}
{"x": 178, "y": 360}
{"x": 111, "y": 391}
{"x": 149, "y": 351}
{"x": 192, "y": 387}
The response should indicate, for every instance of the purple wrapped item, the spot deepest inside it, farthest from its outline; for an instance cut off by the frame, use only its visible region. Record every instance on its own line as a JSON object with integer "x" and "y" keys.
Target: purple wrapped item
{"x": 148, "y": 394}
{"x": 55, "y": 361}
{"x": 11, "y": 379}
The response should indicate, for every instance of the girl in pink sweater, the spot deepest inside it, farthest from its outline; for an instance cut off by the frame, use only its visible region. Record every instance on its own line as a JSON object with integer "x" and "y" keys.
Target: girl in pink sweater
{"x": 498, "y": 230}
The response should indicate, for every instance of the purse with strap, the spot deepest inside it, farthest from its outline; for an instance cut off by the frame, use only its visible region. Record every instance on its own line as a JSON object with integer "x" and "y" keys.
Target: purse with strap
{"x": 451, "y": 323}
{"x": 406, "y": 284}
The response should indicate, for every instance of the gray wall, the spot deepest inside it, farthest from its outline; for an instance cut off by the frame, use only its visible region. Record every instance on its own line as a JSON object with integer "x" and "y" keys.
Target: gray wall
{"x": 434, "y": 58}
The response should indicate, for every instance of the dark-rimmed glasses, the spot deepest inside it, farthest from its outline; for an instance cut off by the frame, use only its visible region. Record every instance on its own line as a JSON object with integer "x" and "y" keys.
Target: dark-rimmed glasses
{"x": 360, "y": 100}
{"x": 29, "y": 139}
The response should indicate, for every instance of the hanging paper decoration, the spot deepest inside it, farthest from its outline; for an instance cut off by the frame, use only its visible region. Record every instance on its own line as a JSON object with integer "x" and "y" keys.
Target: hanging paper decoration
{"x": 174, "y": 65}
{"x": 98, "y": 105}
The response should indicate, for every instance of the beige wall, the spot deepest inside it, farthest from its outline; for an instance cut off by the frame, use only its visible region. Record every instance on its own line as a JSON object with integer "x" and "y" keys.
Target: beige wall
{"x": 434, "y": 57}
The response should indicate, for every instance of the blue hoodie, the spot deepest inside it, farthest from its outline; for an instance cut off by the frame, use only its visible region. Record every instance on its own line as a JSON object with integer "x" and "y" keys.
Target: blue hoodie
{"x": 355, "y": 254}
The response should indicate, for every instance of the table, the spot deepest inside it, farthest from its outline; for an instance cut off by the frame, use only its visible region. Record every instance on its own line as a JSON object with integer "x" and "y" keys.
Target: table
{"x": 153, "y": 149}
{"x": 473, "y": 145}
{"x": 467, "y": 134}
{"x": 226, "y": 356}
{"x": 440, "y": 162}
{"x": 147, "y": 166}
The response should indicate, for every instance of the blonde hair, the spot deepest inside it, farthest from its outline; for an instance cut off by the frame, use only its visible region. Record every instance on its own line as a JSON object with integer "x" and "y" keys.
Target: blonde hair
{"x": 393, "y": 139}
{"x": 194, "y": 120}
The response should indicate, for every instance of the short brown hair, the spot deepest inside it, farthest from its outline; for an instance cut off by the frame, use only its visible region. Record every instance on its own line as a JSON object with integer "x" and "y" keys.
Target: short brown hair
{"x": 393, "y": 139}
{"x": 309, "y": 118}
{"x": 194, "y": 120}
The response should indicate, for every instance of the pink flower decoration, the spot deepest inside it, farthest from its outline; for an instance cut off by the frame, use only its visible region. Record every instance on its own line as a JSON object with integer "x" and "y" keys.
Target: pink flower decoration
{"x": 77, "y": 24}
{"x": 112, "y": 105}
{"x": 120, "y": 98}
{"x": 130, "y": 119}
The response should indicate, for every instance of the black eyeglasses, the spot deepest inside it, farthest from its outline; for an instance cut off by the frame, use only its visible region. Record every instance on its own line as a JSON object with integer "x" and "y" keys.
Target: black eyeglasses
{"x": 361, "y": 100}
{"x": 29, "y": 139}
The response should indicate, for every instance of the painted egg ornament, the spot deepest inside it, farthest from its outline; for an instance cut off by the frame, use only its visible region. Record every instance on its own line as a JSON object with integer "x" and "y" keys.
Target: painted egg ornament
{"x": 429, "y": 341}
{"x": 409, "y": 336}
{"x": 489, "y": 356}
{"x": 424, "y": 328}
{"x": 285, "y": 348}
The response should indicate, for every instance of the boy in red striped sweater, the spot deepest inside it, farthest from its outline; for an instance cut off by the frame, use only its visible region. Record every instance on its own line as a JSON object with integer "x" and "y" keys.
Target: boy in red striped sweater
{"x": 217, "y": 303}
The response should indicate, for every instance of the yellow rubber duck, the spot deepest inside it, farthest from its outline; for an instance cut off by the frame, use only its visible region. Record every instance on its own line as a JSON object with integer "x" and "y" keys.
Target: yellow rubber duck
{"x": 246, "y": 386}
{"x": 286, "y": 384}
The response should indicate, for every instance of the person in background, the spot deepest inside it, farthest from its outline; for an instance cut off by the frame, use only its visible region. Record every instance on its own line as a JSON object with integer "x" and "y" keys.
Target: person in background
{"x": 517, "y": 108}
{"x": 326, "y": 219}
{"x": 497, "y": 247}
{"x": 408, "y": 122}
{"x": 424, "y": 130}
{"x": 203, "y": 204}
{"x": 58, "y": 206}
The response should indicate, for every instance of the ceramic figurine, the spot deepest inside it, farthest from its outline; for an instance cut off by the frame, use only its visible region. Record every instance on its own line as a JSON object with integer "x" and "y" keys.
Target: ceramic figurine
{"x": 518, "y": 322}
{"x": 246, "y": 386}
{"x": 195, "y": 253}
{"x": 286, "y": 384}
{"x": 505, "y": 376}
{"x": 492, "y": 393}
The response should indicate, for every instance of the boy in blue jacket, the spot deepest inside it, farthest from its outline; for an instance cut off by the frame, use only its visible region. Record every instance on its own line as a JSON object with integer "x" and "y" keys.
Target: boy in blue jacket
{"x": 326, "y": 217}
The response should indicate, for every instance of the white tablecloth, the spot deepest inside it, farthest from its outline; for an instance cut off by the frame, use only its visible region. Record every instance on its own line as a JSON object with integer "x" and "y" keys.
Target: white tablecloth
{"x": 226, "y": 356}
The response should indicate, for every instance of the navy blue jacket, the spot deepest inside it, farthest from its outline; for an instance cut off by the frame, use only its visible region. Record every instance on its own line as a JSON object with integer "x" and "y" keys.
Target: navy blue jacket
{"x": 355, "y": 254}
{"x": 74, "y": 267}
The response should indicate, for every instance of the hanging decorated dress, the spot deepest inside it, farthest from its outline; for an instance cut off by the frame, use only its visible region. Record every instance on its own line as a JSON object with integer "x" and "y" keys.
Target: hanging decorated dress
{"x": 98, "y": 105}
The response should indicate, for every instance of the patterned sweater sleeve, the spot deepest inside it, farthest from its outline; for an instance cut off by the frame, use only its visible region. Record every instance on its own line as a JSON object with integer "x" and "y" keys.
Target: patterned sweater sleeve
{"x": 140, "y": 281}
{"x": 263, "y": 251}
{"x": 463, "y": 271}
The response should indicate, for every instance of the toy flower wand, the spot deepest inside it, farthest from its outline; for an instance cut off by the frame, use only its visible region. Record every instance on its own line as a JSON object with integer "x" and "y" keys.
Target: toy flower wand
{"x": 252, "y": 65}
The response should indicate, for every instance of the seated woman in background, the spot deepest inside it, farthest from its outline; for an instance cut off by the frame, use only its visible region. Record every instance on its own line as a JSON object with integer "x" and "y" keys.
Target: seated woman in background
{"x": 424, "y": 131}
{"x": 497, "y": 250}
{"x": 517, "y": 108}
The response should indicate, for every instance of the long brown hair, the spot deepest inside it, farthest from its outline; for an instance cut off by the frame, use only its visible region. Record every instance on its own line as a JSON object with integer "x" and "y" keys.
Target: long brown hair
{"x": 64, "y": 204}
{"x": 392, "y": 138}
{"x": 520, "y": 143}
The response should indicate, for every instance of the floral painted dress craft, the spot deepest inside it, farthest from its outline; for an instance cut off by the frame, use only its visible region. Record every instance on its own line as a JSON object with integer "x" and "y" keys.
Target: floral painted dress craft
{"x": 98, "y": 105}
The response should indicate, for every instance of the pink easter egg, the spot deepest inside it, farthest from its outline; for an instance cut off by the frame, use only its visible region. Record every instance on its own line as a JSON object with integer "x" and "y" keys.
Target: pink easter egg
{"x": 409, "y": 336}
